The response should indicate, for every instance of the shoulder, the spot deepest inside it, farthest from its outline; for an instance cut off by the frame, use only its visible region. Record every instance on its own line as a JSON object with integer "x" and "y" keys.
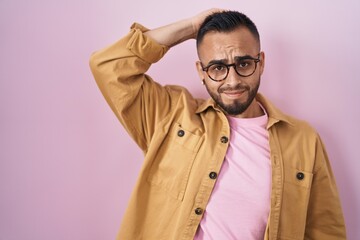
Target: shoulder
{"x": 281, "y": 120}
{"x": 301, "y": 125}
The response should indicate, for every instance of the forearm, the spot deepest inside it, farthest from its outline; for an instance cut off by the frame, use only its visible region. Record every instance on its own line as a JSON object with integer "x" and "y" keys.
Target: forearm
{"x": 325, "y": 218}
{"x": 180, "y": 31}
{"x": 173, "y": 34}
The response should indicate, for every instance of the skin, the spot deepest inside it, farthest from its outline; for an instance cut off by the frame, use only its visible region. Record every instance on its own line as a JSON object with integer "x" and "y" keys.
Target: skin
{"x": 236, "y": 94}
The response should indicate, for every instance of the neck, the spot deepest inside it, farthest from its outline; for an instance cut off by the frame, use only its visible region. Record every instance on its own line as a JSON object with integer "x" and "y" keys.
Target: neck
{"x": 254, "y": 110}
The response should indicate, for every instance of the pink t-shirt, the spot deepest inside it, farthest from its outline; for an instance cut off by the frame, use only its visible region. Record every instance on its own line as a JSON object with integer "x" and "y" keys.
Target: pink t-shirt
{"x": 240, "y": 202}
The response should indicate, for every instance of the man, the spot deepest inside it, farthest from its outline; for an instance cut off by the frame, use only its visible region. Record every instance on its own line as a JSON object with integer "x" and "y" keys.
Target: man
{"x": 230, "y": 167}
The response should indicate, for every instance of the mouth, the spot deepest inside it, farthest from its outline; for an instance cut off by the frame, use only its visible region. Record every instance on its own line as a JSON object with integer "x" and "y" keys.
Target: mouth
{"x": 234, "y": 94}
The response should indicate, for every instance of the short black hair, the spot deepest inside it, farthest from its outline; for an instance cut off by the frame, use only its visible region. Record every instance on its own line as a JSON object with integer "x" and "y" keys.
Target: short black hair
{"x": 226, "y": 21}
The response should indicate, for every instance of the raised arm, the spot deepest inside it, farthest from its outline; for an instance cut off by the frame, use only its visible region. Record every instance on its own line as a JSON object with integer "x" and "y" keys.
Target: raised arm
{"x": 119, "y": 70}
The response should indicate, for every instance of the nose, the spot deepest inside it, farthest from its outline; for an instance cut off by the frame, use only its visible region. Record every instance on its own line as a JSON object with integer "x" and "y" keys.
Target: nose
{"x": 232, "y": 78}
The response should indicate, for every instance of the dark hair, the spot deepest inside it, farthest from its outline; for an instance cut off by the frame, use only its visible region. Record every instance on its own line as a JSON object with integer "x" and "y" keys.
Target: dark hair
{"x": 226, "y": 21}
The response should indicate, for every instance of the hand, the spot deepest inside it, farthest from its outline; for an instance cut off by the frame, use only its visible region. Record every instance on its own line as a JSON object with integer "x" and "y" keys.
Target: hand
{"x": 197, "y": 20}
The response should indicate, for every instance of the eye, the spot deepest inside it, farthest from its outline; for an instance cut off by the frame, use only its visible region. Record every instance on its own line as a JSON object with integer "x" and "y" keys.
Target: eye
{"x": 244, "y": 64}
{"x": 217, "y": 67}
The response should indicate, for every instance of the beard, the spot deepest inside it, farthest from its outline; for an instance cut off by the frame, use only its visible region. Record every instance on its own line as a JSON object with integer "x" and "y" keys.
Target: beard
{"x": 237, "y": 107}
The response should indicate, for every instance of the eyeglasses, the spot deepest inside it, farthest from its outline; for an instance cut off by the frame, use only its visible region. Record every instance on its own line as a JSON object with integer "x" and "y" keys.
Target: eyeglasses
{"x": 244, "y": 67}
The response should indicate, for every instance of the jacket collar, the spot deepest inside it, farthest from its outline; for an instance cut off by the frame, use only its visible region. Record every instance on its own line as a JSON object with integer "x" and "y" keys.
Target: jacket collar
{"x": 275, "y": 115}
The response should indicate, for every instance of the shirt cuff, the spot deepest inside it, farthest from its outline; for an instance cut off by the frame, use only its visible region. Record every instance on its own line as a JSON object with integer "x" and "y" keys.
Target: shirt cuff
{"x": 143, "y": 46}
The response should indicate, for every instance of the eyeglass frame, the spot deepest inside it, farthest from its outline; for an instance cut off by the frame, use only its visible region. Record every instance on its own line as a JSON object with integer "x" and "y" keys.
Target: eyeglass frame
{"x": 256, "y": 60}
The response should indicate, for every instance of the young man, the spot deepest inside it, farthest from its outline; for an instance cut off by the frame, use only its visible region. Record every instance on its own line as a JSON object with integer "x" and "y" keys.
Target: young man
{"x": 230, "y": 167}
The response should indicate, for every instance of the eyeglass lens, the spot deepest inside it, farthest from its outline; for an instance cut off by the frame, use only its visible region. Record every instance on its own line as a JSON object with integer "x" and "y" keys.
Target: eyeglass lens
{"x": 243, "y": 67}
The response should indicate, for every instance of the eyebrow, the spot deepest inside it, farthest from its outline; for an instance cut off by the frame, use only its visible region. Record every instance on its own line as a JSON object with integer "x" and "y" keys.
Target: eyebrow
{"x": 245, "y": 57}
{"x": 217, "y": 61}
{"x": 224, "y": 61}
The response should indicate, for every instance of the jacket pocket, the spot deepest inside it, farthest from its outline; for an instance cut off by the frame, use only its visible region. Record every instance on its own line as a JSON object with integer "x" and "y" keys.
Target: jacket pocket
{"x": 172, "y": 165}
{"x": 297, "y": 185}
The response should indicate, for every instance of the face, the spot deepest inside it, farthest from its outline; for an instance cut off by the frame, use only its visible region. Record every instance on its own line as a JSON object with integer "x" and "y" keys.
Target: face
{"x": 235, "y": 94}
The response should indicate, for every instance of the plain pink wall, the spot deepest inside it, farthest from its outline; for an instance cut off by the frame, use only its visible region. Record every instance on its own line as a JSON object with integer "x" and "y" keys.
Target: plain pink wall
{"x": 67, "y": 166}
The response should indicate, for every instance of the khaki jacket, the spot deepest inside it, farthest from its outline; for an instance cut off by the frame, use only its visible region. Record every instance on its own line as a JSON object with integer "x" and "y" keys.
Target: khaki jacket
{"x": 185, "y": 140}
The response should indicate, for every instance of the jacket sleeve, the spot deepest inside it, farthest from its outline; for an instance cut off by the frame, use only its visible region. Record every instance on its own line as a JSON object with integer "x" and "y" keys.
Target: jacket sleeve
{"x": 119, "y": 70}
{"x": 325, "y": 218}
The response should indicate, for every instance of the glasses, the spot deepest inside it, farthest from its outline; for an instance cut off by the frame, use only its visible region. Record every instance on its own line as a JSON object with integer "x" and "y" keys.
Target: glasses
{"x": 244, "y": 67}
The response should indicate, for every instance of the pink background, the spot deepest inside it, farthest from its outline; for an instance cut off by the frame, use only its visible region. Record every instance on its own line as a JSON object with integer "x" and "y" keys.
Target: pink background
{"x": 67, "y": 166}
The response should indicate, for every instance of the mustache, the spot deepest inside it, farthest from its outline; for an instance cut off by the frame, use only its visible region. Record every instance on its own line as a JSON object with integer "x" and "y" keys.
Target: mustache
{"x": 238, "y": 87}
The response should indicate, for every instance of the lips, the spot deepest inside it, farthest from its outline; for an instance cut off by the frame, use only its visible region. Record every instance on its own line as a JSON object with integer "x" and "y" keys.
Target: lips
{"x": 233, "y": 94}
{"x": 237, "y": 92}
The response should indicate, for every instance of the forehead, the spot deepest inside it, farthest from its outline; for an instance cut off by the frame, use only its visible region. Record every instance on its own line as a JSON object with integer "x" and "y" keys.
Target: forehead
{"x": 227, "y": 45}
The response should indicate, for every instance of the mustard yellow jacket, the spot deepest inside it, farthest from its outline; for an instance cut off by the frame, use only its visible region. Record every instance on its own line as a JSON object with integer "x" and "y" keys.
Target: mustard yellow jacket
{"x": 184, "y": 141}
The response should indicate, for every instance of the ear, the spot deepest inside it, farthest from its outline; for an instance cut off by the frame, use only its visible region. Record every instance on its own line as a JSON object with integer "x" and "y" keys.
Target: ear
{"x": 262, "y": 62}
{"x": 201, "y": 73}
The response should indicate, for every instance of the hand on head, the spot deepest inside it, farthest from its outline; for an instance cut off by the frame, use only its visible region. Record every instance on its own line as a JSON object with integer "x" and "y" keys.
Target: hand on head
{"x": 198, "y": 19}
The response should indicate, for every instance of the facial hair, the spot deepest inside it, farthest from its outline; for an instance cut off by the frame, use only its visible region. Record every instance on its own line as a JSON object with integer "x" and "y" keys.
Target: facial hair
{"x": 236, "y": 107}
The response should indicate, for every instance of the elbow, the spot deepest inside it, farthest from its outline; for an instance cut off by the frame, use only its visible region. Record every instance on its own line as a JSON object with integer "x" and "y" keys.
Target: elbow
{"x": 94, "y": 62}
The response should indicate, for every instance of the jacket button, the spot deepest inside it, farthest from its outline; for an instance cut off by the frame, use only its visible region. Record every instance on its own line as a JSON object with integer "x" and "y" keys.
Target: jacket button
{"x": 181, "y": 133}
{"x": 198, "y": 211}
{"x": 224, "y": 139}
{"x": 213, "y": 175}
{"x": 300, "y": 176}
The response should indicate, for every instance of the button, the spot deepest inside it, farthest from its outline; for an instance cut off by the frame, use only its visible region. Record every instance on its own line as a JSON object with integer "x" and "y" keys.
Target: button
{"x": 224, "y": 139}
{"x": 181, "y": 133}
{"x": 213, "y": 175}
{"x": 198, "y": 211}
{"x": 300, "y": 176}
